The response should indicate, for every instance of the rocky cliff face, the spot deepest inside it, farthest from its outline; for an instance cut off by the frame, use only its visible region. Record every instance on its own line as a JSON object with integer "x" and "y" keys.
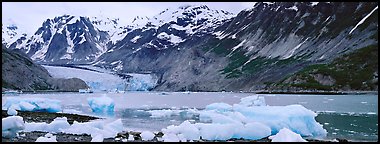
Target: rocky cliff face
{"x": 21, "y": 73}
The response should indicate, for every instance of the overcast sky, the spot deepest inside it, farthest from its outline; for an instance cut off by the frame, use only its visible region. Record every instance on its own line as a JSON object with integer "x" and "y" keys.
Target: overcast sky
{"x": 30, "y": 15}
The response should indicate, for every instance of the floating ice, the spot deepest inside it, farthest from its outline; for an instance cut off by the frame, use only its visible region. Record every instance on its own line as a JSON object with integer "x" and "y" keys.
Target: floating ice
{"x": 107, "y": 128}
{"x": 286, "y": 135}
{"x": 163, "y": 113}
{"x": 33, "y": 104}
{"x": 249, "y": 119}
{"x": 12, "y": 110}
{"x": 170, "y": 138}
{"x": 147, "y": 135}
{"x": 11, "y": 125}
{"x": 47, "y": 138}
{"x": 254, "y": 100}
{"x": 97, "y": 138}
{"x": 71, "y": 111}
{"x": 101, "y": 105}
{"x": 295, "y": 117}
{"x": 221, "y": 107}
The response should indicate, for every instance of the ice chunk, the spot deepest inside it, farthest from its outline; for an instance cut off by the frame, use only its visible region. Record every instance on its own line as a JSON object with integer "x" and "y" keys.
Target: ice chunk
{"x": 214, "y": 117}
{"x": 254, "y": 100}
{"x": 131, "y": 138}
{"x": 107, "y": 127}
{"x": 170, "y": 138}
{"x": 101, "y": 105}
{"x": 58, "y": 124}
{"x": 97, "y": 138}
{"x": 249, "y": 119}
{"x": 33, "y": 104}
{"x": 71, "y": 111}
{"x": 12, "y": 110}
{"x": 295, "y": 117}
{"x": 11, "y": 125}
{"x": 253, "y": 131}
{"x": 163, "y": 113}
{"x": 286, "y": 135}
{"x": 188, "y": 130}
{"x": 216, "y": 131}
{"x": 47, "y": 138}
{"x": 147, "y": 135}
{"x": 221, "y": 107}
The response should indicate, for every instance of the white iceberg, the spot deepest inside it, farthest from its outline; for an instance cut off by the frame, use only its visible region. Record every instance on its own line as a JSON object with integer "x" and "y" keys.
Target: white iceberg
{"x": 11, "y": 125}
{"x": 286, "y": 135}
{"x": 147, "y": 135}
{"x": 107, "y": 128}
{"x": 249, "y": 119}
{"x": 33, "y": 104}
{"x": 97, "y": 138}
{"x": 254, "y": 100}
{"x": 221, "y": 107}
{"x": 101, "y": 105}
{"x": 12, "y": 110}
{"x": 47, "y": 138}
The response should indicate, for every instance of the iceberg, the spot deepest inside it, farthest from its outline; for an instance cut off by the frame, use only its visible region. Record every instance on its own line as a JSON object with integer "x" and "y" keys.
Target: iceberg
{"x": 12, "y": 110}
{"x": 147, "y": 135}
{"x": 11, "y": 125}
{"x": 97, "y": 138}
{"x": 101, "y": 105}
{"x": 286, "y": 135}
{"x": 33, "y": 104}
{"x": 254, "y": 100}
{"x": 47, "y": 138}
{"x": 294, "y": 117}
{"x": 163, "y": 113}
{"x": 250, "y": 119}
{"x": 106, "y": 128}
{"x": 221, "y": 107}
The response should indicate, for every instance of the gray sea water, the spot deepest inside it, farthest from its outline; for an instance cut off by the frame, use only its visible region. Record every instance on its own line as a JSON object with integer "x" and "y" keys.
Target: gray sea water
{"x": 352, "y": 117}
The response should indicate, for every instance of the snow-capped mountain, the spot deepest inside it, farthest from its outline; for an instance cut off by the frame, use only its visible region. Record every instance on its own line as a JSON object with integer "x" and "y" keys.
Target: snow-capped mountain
{"x": 65, "y": 39}
{"x": 198, "y": 48}
{"x": 259, "y": 45}
{"x": 112, "y": 26}
{"x": 11, "y": 33}
{"x": 166, "y": 30}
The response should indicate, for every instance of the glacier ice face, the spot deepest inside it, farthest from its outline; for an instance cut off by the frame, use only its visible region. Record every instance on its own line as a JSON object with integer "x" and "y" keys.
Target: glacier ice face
{"x": 141, "y": 82}
{"x": 33, "y": 104}
{"x": 101, "y": 105}
{"x": 286, "y": 135}
{"x": 11, "y": 125}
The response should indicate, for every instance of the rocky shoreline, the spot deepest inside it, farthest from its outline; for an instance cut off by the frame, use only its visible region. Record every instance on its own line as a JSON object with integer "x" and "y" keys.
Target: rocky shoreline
{"x": 121, "y": 137}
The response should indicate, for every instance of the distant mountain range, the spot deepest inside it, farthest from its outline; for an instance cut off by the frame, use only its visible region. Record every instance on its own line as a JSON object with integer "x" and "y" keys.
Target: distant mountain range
{"x": 200, "y": 49}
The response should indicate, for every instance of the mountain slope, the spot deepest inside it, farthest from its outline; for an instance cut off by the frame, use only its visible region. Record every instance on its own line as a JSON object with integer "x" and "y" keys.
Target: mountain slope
{"x": 21, "y": 73}
{"x": 354, "y": 71}
{"x": 259, "y": 46}
{"x": 65, "y": 39}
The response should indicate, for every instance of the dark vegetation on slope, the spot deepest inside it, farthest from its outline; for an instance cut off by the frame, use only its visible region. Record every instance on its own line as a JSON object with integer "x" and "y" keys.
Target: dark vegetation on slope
{"x": 354, "y": 71}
